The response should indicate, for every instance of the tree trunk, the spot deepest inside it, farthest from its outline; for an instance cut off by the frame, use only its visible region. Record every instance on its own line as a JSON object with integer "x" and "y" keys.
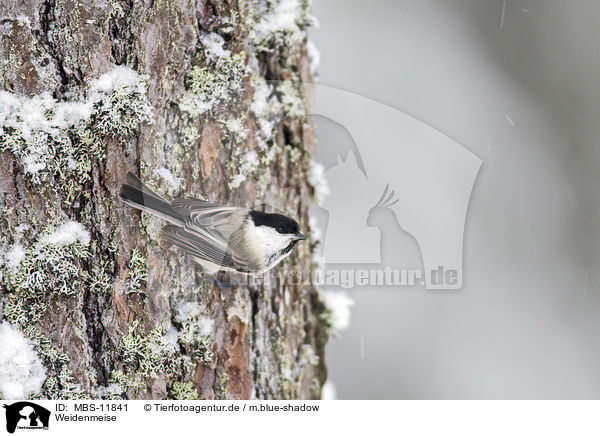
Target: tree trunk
{"x": 200, "y": 98}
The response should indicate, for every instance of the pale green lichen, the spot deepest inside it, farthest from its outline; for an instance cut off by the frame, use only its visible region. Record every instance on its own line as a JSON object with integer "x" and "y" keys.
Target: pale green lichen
{"x": 138, "y": 273}
{"x": 122, "y": 108}
{"x": 151, "y": 226}
{"x": 199, "y": 346}
{"x": 212, "y": 88}
{"x": 51, "y": 270}
{"x": 235, "y": 127}
{"x": 22, "y": 308}
{"x": 291, "y": 97}
{"x": 158, "y": 352}
{"x": 266, "y": 109}
{"x": 40, "y": 132}
{"x": 272, "y": 101}
{"x": 189, "y": 136}
{"x": 195, "y": 331}
{"x": 53, "y": 263}
{"x": 125, "y": 382}
{"x": 149, "y": 354}
{"x": 117, "y": 9}
{"x": 247, "y": 165}
{"x": 60, "y": 384}
{"x": 215, "y": 85}
{"x": 220, "y": 386}
{"x": 61, "y": 138}
{"x": 167, "y": 350}
{"x": 100, "y": 280}
{"x": 145, "y": 355}
{"x": 270, "y": 105}
{"x": 281, "y": 25}
{"x": 183, "y": 391}
{"x": 113, "y": 391}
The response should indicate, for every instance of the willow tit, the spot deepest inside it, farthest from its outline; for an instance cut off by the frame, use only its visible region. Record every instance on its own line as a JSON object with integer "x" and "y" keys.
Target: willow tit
{"x": 218, "y": 237}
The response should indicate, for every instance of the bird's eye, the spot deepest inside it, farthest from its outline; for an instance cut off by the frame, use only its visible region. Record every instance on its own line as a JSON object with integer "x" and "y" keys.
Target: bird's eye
{"x": 280, "y": 230}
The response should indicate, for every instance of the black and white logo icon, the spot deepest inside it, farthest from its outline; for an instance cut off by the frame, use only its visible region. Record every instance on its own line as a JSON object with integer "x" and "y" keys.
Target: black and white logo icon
{"x": 26, "y": 415}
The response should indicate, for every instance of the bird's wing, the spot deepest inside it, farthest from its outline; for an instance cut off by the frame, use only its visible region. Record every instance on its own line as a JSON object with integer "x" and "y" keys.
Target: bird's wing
{"x": 199, "y": 247}
{"x": 213, "y": 221}
{"x": 213, "y": 225}
{"x": 185, "y": 206}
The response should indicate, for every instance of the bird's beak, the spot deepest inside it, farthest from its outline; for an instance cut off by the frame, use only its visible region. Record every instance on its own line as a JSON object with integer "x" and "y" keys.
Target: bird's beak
{"x": 299, "y": 237}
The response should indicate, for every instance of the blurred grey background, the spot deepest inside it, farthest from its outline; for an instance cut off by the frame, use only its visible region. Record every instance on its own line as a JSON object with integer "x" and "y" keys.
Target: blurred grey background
{"x": 515, "y": 82}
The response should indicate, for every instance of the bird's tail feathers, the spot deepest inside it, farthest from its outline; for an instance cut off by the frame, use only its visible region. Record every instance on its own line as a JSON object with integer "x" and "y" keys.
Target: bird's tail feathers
{"x": 136, "y": 194}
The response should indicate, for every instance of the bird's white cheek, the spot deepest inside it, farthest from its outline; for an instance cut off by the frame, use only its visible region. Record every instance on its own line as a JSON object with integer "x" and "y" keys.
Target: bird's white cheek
{"x": 271, "y": 239}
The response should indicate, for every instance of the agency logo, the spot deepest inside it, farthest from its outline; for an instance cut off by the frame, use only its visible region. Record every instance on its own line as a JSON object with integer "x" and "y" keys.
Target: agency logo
{"x": 26, "y": 415}
{"x": 399, "y": 190}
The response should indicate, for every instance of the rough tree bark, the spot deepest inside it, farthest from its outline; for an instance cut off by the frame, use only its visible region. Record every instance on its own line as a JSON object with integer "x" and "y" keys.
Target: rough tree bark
{"x": 200, "y": 98}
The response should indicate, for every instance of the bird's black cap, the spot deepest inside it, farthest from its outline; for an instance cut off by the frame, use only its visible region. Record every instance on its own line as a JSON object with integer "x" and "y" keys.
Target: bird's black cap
{"x": 281, "y": 223}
